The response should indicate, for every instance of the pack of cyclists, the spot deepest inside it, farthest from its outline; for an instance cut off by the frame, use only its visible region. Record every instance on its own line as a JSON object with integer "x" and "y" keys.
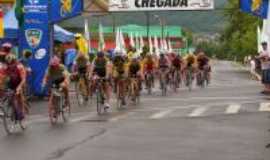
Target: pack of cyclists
{"x": 114, "y": 72}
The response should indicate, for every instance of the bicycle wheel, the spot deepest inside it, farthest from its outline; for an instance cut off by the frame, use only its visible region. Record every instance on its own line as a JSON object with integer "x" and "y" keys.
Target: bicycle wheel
{"x": 54, "y": 113}
{"x": 79, "y": 86}
{"x": 9, "y": 120}
{"x": 137, "y": 94}
{"x": 149, "y": 84}
{"x": 175, "y": 82}
{"x": 99, "y": 101}
{"x": 119, "y": 102}
{"x": 163, "y": 87}
{"x": 63, "y": 108}
{"x": 189, "y": 81}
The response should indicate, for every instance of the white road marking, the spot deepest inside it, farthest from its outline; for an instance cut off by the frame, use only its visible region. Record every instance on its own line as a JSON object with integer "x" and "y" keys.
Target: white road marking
{"x": 198, "y": 112}
{"x": 264, "y": 107}
{"x": 233, "y": 109}
{"x": 161, "y": 114}
{"x": 82, "y": 118}
{"x": 122, "y": 116}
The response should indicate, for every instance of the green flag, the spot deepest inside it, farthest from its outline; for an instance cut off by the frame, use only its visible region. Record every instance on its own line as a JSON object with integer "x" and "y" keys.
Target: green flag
{"x": 19, "y": 11}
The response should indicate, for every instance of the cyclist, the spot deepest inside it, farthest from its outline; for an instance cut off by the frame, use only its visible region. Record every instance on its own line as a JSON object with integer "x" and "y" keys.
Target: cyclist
{"x": 100, "y": 68}
{"x": 203, "y": 64}
{"x": 16, "y": 80}
{"x": 163, "y": 66}
{"x": 3, "y": 67}
{"x": 177, "y": 64}
{"x": 119, "y": 73}
{"x": 149, "y": 67}
{"x": 134, "y": 70}
{"x": 57, "y": 75}
{"x": 81, "y": 68}
{"x": 190, "y": 65}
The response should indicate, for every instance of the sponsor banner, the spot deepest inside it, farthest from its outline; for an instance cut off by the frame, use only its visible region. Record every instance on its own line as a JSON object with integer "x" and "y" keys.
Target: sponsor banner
{"x": 152, "y": 5}
{"x": 255, "y": 7}
{"x": 35, "y": 36}
{"x": 62, "y": 9}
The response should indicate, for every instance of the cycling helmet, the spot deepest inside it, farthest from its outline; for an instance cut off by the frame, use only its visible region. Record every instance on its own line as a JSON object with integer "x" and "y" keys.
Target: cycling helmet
{"x": 100, "y": 54}
{"x": 7, "y": 45}
{"x": 10, "y": 58}
{"x": 55, "y": 61}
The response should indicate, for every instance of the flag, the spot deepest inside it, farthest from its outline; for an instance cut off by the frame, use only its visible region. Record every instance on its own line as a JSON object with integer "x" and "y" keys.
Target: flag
{"x": 170, "y": 46}
{"x": 156, "y": 45}
{"x": 161, "y": 45}
{"x": 141, "y": 43}
{"x": 1, "y": 23}
{"x": 19, "y": 12}
{"x": 87, "y": 34}
{"x": 165, "y": 45}
{"x": 259, "y": 39}
{"x": 122, "y": 43}
{"x": 101, "y": 44}
{"x": 255, "y": 7}
{"x": 137, "y": 42}
{"x": 117, "y": 41}
{"x": 150, "y": 45}
{"x": 131, "y": 40}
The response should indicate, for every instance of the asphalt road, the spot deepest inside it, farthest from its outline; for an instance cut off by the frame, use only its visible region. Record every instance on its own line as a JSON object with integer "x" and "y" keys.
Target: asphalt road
{"x": 229, "y": 120}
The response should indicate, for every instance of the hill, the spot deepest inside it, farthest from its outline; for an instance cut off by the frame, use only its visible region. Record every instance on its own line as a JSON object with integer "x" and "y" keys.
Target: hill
{"x": 196, "y": 21}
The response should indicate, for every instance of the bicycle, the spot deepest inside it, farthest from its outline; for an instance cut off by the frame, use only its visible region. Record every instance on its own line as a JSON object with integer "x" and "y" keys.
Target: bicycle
{"x": 149, "y": 78}
{"x": 100, "y": 84}
{"x": 202, "y": 77}
{"x": 176, "y": 79}
{"x": 120, "y": 92}
{"x": 163, "y": 81}
{"x": 134, "y": 90}
{"x": 59, "y": 105}
{"x": 10, "y": 115}
{"x": 82, "y": 90}
{"x": 189, "y": 77}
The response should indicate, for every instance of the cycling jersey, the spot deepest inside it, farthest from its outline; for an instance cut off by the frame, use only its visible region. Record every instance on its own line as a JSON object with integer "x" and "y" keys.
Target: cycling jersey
{"x": 56, "y": 74}
{"x": 14, "y": 72}
{"x": 119, "y": 64}
{"x": 134, "y": 68}
{"x": 81, "y": 64}
{"x": 149, "y": 64}
{"x": 100, "y": 66}
{"x": 202, "y": 61}
{"x": 163, "y": 63}
{"x": 177, "y": 63}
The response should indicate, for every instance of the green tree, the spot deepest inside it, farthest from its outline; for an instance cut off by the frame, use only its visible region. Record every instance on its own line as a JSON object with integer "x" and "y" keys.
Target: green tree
{"x": 239, "y": 37}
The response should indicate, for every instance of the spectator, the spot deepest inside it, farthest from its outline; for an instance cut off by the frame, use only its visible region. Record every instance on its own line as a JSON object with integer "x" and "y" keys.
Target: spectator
{"x": 265, "y": 64}
{"x": 70, "y": 55}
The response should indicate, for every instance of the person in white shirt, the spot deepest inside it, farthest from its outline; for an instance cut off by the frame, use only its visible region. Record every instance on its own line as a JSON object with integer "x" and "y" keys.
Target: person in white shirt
{"x": 265, "y": 64}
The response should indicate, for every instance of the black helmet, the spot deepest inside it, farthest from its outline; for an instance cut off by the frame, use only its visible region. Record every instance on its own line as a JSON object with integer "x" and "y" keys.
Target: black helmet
{"x": 100, "y": 54}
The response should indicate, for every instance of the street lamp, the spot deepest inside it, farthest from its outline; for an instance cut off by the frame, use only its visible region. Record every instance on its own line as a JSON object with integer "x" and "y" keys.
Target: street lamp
{"x": 161, "y": 22}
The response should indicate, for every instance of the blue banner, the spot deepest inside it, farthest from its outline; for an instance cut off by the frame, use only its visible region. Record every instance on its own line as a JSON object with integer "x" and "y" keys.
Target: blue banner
{"x": 63, "y": 9}
{"x": 255, "y": 7}
{"x": 35, "y": 36}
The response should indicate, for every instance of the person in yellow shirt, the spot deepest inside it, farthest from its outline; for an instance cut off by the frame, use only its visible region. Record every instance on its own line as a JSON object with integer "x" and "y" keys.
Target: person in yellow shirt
{"x": 81, "y": 44}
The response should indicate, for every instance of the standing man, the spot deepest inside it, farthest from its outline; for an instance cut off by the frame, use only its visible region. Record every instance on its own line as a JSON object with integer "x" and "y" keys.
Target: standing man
{"x": 265, "y": 64}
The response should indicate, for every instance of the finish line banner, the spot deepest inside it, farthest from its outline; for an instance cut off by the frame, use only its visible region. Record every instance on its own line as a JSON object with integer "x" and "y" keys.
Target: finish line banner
{"x": 156, "y": 5}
